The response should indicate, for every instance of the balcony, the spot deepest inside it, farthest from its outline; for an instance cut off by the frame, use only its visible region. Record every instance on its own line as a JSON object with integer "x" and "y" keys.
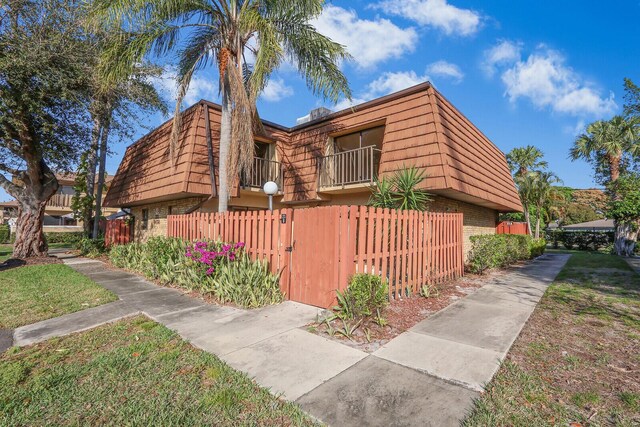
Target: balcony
{"x": 349, "y": 170}
{"x": 262, "y": 170}
{"x": 60, "y": 201}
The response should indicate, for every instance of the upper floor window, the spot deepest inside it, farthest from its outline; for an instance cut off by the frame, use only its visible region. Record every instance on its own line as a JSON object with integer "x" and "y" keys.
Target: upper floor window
{"x": 360, "y": 139}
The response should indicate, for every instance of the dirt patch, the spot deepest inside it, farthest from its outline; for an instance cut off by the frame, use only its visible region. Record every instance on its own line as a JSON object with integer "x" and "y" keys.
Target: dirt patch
{"x": 400, "y": 315}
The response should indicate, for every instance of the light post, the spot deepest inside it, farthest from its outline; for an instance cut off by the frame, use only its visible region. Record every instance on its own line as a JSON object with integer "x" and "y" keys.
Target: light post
{"x": 270, "y": 188}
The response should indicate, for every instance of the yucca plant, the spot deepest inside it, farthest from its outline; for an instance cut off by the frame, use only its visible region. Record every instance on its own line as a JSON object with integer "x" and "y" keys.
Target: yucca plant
{"x": 401, "y": 191}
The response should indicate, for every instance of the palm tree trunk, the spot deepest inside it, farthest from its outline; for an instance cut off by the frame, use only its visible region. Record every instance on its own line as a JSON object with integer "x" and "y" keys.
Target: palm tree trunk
{"x": 101, "y": 174}
{"x": 537, "y": 235}
{"x": 527, "y": 217}
{"x": 92, "y": 162}
{"x": 225, "y": 145}
{"x": 625, "y": 239}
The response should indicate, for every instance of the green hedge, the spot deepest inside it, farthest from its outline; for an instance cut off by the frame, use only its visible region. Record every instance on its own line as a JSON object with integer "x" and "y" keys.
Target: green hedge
{"x": 5, "y": 233}
{"x": 70, "y": 238}
{"x": 582, "y": 240}
{"x": 501, "y": 250}
{"x": 230, "y": 275}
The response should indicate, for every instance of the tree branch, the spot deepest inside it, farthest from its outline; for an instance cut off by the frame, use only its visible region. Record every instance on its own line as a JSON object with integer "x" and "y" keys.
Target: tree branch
{"x": 9, "y": 186}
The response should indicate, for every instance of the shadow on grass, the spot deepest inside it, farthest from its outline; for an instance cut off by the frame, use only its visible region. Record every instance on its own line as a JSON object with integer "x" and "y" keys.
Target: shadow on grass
{"x": 601, "y": 285}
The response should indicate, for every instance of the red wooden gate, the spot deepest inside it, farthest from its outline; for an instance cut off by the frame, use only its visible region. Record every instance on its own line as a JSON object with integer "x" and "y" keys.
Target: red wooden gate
{"x": 117, "y": 232}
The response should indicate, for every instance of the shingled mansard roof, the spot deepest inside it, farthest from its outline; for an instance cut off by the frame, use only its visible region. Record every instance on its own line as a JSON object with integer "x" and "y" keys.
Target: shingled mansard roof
{"x": 422, "y": 128}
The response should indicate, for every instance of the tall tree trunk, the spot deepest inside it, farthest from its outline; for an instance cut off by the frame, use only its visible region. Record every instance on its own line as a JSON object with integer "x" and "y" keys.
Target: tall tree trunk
{"x": 101, "y": 174}
{"x": 537, "y": 235}
{"x": 614, "y": 167}
{"x": 225, "y": 145}
{"x": 92, "y": 160}
{"x": 32, "y": 200}
{"x": 625, "y": 239}
{"x": 527, "y": 217}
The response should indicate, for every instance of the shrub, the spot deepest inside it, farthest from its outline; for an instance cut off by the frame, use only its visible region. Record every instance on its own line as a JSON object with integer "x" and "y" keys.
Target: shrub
{"x": 70, "y": 238}
{"x": 537, "y": 247}
{"x": 220, "y": 269}
{"x": 365, "y": 296}
{"x": 244, "y": 282}
{"x": 91, "y": 247}
{"x": 582, "y": 240}
{"x": 5, "y": 233}
{"x": 500, "y": 250}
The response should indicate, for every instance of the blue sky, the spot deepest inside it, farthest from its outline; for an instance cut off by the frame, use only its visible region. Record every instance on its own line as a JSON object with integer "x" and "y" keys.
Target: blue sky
{"x": 526, "y": 72}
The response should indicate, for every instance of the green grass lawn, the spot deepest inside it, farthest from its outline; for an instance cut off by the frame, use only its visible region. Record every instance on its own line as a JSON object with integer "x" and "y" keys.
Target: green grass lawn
{"x": 133, "y": 372}
{"x": 578, "y": 357}
{"x": 32, "y": 293}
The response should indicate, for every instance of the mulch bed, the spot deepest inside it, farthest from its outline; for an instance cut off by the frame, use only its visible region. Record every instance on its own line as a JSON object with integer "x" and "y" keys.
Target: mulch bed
{"x": 401, "y": 314}
{"x": 16, "y": 262}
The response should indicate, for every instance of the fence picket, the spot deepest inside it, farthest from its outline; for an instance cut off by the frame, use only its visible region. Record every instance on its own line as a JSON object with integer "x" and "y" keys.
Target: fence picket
{"x": 407, "y": 248}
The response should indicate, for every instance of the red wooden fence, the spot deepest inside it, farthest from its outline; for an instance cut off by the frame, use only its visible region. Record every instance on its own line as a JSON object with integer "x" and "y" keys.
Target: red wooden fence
{"x": 317, "y": 249}
{"x": 117, "y": 232}
{"x": 510, "y": 227}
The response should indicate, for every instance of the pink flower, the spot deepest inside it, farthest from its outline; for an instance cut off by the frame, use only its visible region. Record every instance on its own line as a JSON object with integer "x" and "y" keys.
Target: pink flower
{"x": 239, "y": 245}
{"x": 210, "y": 271}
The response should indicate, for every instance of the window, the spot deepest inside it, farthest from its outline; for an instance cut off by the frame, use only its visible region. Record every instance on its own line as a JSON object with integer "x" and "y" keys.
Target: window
{"x": 145, "y": 218}
{"x": 170, "y": 210}
{"x": 363, "y": 138}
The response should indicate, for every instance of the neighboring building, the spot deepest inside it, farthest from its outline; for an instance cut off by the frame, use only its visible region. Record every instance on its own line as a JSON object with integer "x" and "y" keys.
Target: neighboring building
{"x": 326, "y": 159}
{"x": 8, "y": 210}
{"x": 58, "y": 216}
{"x": 597, "y": 225}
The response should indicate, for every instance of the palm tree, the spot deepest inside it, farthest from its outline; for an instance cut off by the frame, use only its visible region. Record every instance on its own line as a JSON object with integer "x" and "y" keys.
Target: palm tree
{"x": 246, "y": 39}
{"x": 526, "y": 188}
{"x": 524, "y": 159}
{"x": 541, "y": 193}
{"x": 606, "y": 143}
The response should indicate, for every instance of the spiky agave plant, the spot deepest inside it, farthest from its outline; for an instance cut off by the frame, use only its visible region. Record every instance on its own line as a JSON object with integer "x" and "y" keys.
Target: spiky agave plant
{"x": 401, "y": 191}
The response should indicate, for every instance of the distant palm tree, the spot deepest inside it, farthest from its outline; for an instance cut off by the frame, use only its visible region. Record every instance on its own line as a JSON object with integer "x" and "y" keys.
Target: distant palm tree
{"x": 225, "y": 33}
{"x": 524, "y": 159}
{"x": 608, "y": 140}
{"x": 541, "y": 192}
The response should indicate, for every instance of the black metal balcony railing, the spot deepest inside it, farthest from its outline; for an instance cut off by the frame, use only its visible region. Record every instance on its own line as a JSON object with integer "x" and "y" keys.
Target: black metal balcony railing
{"x": 359, "y": 166}
{"x": 263, "y": 170}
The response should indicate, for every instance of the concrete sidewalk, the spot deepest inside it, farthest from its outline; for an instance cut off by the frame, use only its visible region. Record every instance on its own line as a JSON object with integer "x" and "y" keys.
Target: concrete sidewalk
{"x": 428, "y": 375}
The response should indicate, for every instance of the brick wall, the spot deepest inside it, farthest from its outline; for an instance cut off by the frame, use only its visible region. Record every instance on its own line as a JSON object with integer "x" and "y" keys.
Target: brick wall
{"x": 157, "y": 222}
{"x": 477, "y": 219}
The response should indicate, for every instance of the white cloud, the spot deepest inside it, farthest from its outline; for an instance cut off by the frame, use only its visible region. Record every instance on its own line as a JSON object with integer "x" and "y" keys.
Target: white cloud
{"x": 505, "y": 52}
{"x": 445, "y": 69}
{"x": 435, "y": 13}
{"x": 276, "y": 90}
{"x": 390, "y": 82}
{"x": 387, "y": 83}
{"x": 199, "y": 88}
{"x": 368, "y": 41}
{"x": 545, "y": 79}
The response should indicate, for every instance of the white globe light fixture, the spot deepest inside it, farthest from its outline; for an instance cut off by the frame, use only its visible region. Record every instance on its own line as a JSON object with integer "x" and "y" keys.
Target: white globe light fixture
{"x": 270, "y": 188}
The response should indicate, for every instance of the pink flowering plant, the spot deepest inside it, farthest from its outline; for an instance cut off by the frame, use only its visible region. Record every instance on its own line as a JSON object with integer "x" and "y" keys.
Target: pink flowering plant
{"x": 207, "y": 256}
